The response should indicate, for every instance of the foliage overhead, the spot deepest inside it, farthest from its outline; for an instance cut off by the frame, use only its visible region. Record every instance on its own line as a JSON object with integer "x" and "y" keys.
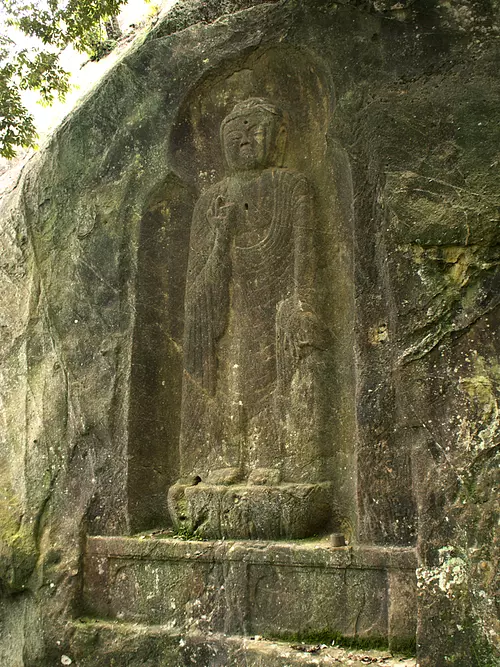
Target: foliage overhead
{"x": 51, "y": 25}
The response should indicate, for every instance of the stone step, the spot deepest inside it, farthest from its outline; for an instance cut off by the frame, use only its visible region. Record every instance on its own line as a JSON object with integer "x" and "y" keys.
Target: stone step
{"x": 280, "y": 589}
{"x": 97, "y": 643}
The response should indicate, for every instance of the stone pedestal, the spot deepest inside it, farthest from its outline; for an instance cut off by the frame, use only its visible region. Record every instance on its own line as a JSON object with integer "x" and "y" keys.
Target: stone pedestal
{"x": 285, "y": 511}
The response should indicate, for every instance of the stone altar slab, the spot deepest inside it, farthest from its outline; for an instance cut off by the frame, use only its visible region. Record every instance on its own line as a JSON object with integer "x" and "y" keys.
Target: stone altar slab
{"x": 275, "y": 589}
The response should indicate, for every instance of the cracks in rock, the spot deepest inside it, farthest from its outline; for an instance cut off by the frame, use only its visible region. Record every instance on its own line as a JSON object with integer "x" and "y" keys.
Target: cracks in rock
{"x": 99, "y": 276}
{"x": 181, "y": 17}
{"x": 483, "y": 457}
{"x": 459, "y": 332}
{"x": 457, "y": 188}
{"x": 39, "y": 310}
{"x": 439, "y": 332}
{"x": 421, "y": 348}
{"x": 435, "y": 441}
{"x": 358, "y": 615}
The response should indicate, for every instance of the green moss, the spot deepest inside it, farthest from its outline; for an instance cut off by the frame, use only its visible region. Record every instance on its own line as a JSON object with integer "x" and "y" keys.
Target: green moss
{"x": 480, "y": 660}
{"x": 18, "y": 552}
{"x": 331, "y": 637}
{"x": 24, "y": 556}
{"x": 10, "y": 513}
{"x": 185, "y": 532}
{"x": 406, "y": 646}
{"x": 482, "y": 652}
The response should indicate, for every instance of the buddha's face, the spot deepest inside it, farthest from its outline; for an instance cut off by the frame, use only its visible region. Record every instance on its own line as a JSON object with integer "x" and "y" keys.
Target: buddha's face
{"x": 250, "y": 140}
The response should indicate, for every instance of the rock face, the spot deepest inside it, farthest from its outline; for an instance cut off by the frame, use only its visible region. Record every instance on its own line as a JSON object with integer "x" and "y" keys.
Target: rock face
{"x": 118, "y": 362}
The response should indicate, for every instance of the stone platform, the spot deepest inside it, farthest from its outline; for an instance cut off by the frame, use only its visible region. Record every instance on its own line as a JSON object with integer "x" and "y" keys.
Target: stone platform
{"x": 248, "y": 588}
{"x": 113, "y": 644}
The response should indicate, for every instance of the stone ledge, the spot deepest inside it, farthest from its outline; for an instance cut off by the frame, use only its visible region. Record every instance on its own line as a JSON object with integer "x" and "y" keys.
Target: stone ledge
{"x": 310, "y": 553}
{"x": 126, "y": 645}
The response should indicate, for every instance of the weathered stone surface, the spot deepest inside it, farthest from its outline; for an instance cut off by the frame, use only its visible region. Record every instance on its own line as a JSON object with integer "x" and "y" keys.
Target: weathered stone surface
{"x": 252, "y": 512}
{"x": 123, "y": 644}
{"x": 395, "y": 112}
{"x": 245, "y": 588}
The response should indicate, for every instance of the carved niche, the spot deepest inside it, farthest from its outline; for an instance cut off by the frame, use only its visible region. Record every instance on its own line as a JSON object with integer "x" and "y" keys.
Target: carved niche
{"x": 251, "y": 460}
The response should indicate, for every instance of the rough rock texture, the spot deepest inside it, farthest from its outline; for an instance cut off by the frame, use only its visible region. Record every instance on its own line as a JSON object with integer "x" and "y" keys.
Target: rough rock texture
{"x": 123, "y": 644}
{"x": 94, "y": 248}
{"x": 271, "y": 589}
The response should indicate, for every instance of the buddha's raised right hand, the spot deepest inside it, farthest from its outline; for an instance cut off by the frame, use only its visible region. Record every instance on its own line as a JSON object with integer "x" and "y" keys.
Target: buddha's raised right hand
{"x": 222, "y": 216}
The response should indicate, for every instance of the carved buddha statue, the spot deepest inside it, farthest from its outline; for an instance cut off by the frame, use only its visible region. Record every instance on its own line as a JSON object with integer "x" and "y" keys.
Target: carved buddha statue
{"x": 251, "y": 337}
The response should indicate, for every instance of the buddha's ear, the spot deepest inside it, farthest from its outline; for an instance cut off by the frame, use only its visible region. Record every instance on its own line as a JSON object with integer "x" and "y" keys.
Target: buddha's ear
{"x": 281, "y": 145}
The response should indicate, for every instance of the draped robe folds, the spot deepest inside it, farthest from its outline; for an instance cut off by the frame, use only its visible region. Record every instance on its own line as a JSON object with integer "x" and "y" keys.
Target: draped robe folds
{"x": 241, "y": 295}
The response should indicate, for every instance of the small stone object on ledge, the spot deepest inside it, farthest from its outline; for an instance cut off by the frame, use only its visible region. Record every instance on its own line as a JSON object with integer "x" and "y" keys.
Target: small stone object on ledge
{"x": 337, "y": 540}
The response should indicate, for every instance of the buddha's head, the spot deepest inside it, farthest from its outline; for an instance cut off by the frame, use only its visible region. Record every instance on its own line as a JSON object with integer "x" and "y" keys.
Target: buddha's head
{"x": 253, "y": 135}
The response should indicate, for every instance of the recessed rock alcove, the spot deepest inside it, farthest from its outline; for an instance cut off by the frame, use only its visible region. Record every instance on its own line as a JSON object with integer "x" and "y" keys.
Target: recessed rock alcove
{"x": 249, "y": 301}
{"x": 262, "y": 396}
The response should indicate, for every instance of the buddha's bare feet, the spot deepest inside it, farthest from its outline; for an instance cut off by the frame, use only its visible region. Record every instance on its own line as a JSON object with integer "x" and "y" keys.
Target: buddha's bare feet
{"x": 264, "y": 476}
{"x": 224, "y": 476}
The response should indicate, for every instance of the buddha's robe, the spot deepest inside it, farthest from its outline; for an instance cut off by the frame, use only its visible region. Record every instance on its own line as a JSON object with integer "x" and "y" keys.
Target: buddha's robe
{"x": 244, "y": 294}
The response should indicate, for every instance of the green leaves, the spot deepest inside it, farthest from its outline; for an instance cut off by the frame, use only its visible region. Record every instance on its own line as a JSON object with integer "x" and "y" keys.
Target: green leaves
{"x": 40, "y": 70}
{"x": 16, "y": 124}
{"x": 52, "y": 26}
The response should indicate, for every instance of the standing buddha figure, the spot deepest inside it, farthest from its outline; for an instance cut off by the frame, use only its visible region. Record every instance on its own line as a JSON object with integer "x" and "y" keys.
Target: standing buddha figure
{"x": 250, "y": 424}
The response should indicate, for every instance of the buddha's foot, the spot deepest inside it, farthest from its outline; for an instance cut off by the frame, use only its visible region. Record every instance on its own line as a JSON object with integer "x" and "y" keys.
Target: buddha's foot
{"x": 257, "y": 509}
{"x": 224, "y": 476}
{"x": 264, "y": 476}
